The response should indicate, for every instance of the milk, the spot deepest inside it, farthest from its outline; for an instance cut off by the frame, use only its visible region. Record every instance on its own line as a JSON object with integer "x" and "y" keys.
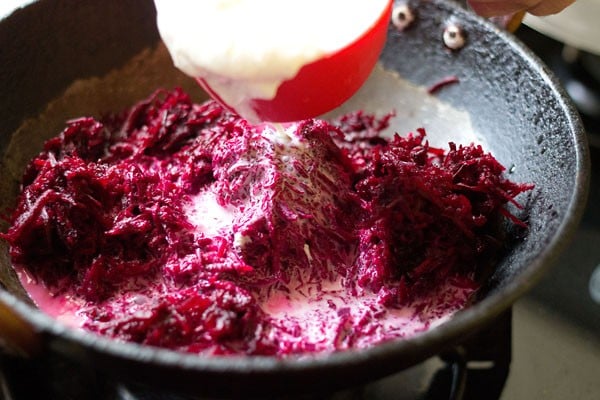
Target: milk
{"x": 245, "y": 49}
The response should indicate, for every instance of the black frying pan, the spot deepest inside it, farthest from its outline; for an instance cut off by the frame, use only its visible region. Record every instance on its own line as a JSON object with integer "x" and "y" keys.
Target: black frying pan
{"x": 515, "y": 106}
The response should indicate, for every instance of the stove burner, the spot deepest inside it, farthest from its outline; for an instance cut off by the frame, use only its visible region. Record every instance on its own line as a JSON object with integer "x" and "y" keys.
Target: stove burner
{"x": 476, "y": 369}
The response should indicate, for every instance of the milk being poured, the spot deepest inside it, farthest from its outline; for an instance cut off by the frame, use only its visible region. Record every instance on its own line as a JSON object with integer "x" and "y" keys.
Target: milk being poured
{"x": 245, "y": 49}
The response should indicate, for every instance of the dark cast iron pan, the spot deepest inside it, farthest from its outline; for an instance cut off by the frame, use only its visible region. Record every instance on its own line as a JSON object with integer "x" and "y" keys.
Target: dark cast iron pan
{"x": 65, "y": 58}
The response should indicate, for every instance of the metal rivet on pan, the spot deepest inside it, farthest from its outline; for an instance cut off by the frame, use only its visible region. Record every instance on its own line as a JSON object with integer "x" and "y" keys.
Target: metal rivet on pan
{"x": 402, "y": 16}
{"x": 454, "y": 37}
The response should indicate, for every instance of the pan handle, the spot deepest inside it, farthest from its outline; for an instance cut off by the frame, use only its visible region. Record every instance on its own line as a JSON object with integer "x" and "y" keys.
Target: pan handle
{"x": 17, "y": 336}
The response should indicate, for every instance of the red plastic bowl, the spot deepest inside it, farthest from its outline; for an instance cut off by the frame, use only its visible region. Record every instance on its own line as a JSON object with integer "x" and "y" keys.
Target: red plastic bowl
{"x": 324, "y": 84}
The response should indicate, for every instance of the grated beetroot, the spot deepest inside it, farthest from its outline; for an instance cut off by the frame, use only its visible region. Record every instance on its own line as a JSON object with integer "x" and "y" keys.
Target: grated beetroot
{"x": 105, "y": 213}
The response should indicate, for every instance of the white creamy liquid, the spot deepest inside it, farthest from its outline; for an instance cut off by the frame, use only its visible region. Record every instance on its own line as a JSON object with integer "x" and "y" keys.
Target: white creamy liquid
{"x": 245, "y": 49}
{"x": 314, "y": 312}
{"x": 414, "y": 107}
